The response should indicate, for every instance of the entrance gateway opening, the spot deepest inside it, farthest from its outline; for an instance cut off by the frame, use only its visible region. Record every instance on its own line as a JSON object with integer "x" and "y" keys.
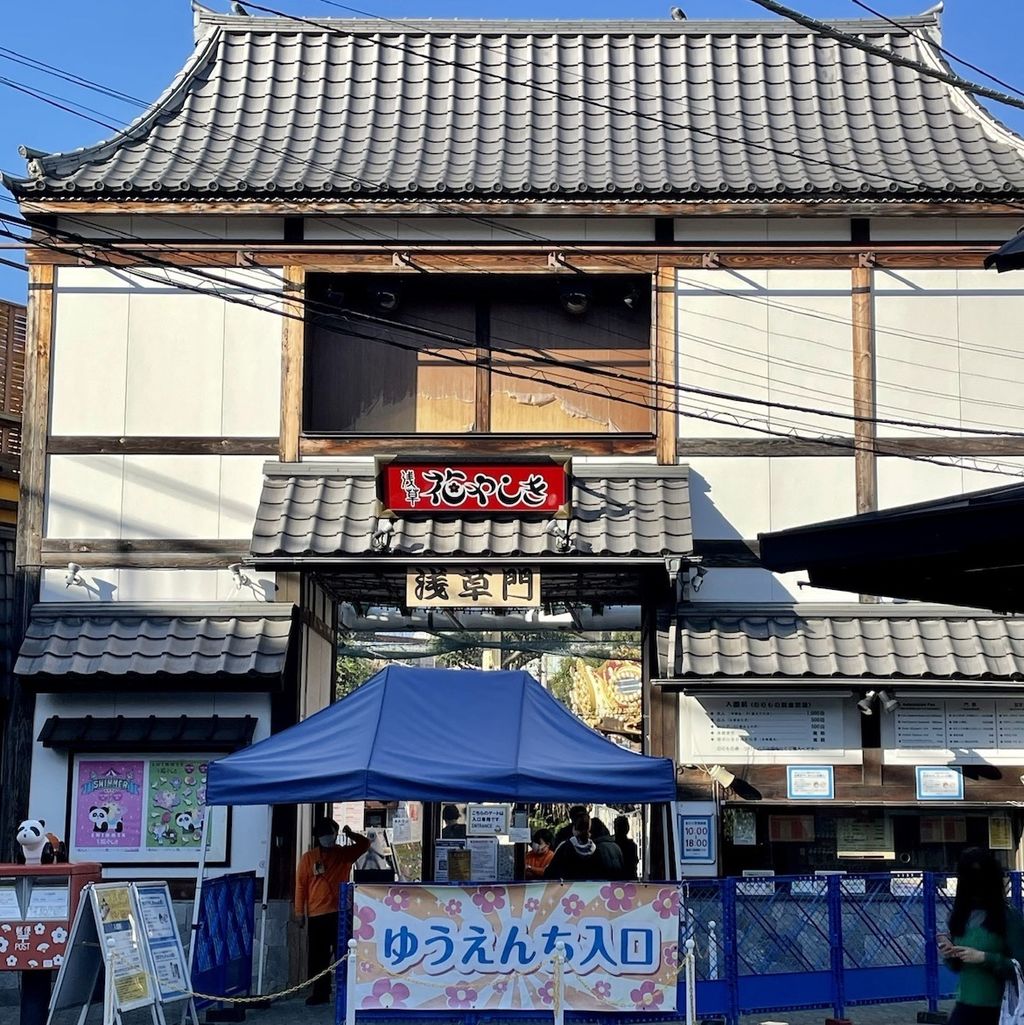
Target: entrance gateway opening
{"x": 597, "y": 674}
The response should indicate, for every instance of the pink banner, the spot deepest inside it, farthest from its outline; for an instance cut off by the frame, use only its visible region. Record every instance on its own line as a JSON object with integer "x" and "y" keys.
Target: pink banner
{"x": 444, "y": 948}
{"x": 109, "y": 805}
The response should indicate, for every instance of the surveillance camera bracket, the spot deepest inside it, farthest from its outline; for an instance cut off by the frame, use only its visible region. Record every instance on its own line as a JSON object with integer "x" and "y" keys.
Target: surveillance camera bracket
{"x": 404, "y": 261}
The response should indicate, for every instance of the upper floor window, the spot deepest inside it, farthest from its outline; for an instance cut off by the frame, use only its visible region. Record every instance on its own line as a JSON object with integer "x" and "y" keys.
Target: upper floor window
{"x": 484, "y": 353}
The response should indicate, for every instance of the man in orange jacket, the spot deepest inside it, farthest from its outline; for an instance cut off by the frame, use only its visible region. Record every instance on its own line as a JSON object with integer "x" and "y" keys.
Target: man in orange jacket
{"x": 321, "y": 871}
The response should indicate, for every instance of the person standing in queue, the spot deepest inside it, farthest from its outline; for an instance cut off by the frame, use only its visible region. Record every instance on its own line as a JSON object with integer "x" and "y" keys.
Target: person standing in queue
{"x": 630, "y": 853}
{"x": 541, "y": 851}
{"x": 321, "y": 871}
{"x": 985, "y": 938}
{"x": 582, "y": 857}
{"x": 454, "y": 828}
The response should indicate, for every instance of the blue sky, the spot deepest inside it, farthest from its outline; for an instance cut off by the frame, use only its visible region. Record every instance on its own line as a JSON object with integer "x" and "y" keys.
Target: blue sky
{"x": 136, "y": 46}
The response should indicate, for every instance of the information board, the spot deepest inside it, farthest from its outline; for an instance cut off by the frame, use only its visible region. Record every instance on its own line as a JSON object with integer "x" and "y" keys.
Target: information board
{"x": 487, "y": 819}
{"x": 865, "y": 838}
{"x": 769, "y": 729}
{"x": 697, "y": 838}
{"x": 966, "y": 730}
{"x": 170, "y": 968}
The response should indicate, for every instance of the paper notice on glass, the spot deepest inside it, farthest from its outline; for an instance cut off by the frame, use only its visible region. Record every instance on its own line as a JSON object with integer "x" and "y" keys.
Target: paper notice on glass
{"x": 484, "y": 851}
{"x": 1000, "y": 833}
{"x": 48, "y": 903}
{"x": 10, "y": 909}
{"x": 441, "y": 850}
{"x": 407, "y": 823}
{"x": 519, "y": 831}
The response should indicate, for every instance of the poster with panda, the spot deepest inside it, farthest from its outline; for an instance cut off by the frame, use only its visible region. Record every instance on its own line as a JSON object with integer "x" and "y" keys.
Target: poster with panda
{"x": 109, "y": 805}
{"x": 176, "y": 804}
{"x": 144, "y": 809}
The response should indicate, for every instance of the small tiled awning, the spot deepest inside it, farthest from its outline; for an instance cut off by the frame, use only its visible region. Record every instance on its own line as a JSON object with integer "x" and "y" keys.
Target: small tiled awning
{"x": 315, "y": 511}
{"x": 149, "y": 733}
{"x": 715, "y": 648}
{"x": 202, "y": 646}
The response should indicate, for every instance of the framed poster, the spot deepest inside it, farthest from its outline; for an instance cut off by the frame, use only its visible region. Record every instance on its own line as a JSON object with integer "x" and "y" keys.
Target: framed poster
{"x": 144, "y": 810}
{"x": 865, "y": 837}
{"x": 810, "y": 782}
{"x": 1000, "y": 833}
{"x": 939, "y": 783}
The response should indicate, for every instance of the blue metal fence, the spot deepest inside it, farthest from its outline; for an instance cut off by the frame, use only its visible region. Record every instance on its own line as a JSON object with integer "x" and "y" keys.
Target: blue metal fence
{"x": 786, "y": 943}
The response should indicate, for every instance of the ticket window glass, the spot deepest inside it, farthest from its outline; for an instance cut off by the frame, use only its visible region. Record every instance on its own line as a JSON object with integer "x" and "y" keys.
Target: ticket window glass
{"x": 796, "y": 842}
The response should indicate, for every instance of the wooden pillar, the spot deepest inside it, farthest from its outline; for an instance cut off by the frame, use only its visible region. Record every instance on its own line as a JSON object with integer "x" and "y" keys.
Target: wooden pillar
{"x": 664, "y": 360}
{"x": 18, "y": 727}
{"x": 292, "y": 342}
{"x": 865, "y": 432}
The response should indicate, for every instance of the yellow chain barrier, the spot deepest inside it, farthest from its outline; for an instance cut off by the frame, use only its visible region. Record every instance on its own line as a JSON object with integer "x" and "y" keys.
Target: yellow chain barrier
{"x": 272, "y": 996}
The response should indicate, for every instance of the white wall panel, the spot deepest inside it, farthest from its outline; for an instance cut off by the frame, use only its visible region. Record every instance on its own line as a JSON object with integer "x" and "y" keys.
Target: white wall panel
{"x": 241, "y": 481}
{"x": 495, "y": 229}
{"x": 735, "y": 585}
{"x": 729, "y": 498}
{"x": 136, "y": 585}
{"x": 807, "y": 490}
{"x": 90, "y": 352}
{"x": 171, "y": 496}
{"x": 902, "y": 481}
{"x": 84, "y": 496}
{"x": 139, "y": 356}
{"x": 722, "y": 328}
{"x": 762, "y": 229}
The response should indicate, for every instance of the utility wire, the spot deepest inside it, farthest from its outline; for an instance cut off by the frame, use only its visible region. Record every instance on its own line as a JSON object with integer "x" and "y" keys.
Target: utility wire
{"x": 949, "y": 77}
{"x": 928, "y": 42}
{"x": 747, "y": 423}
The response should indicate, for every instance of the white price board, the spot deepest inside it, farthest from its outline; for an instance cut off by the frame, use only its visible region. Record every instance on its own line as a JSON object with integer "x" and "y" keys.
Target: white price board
{"x": 769, "y": 729}
{"x": 969, "y": 731}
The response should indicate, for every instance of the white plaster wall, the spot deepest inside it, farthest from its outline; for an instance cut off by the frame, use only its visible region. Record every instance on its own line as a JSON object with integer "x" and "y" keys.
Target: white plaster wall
{"x": 776, "y": 335}
{"x": 762, "y": 229}
{"x": 525, "y": 230}
{"x": 943, "y": 229}
{"x": 160, "y": 585}
{"x": 154, "y": 497}
{"x": 197, "y": 228}
{"x": 948, "y": 351}
{"x": 48, "y": 794}
{"x": 143, "y": 354}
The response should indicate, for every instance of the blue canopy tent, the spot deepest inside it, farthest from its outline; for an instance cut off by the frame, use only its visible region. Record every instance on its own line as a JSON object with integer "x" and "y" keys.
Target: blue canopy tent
{"x": 441, "y": 735}
{"x": 413, "y": 734}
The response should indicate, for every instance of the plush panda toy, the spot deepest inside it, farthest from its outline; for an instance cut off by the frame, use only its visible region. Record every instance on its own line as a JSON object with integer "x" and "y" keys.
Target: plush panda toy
{"x": 39, "y": 847}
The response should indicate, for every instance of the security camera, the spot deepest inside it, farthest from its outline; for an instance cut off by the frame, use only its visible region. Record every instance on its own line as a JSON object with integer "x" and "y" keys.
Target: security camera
{"x": 72, "y": 577}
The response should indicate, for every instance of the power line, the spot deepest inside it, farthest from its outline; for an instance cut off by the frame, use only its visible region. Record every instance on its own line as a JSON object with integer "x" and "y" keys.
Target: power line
{"x": 928, "y": 42}
{"x": 746, "y": 423}
{"x": 950, "y": 77}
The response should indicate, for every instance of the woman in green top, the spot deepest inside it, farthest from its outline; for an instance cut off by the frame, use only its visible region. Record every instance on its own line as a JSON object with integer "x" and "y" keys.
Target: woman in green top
{"x": 985, "y": 938}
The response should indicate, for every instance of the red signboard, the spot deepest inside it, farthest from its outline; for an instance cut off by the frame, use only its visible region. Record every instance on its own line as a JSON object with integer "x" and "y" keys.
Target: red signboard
{"x": 450, "y": 487}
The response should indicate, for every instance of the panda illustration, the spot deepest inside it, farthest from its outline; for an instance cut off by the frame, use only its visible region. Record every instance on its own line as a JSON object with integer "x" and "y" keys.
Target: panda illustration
{"x": 106, "y": 817}
{"x": 186, "y": 822}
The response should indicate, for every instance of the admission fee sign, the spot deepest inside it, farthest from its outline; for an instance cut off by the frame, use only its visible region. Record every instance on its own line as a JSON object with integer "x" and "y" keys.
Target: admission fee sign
{"x": 492, "y": 947}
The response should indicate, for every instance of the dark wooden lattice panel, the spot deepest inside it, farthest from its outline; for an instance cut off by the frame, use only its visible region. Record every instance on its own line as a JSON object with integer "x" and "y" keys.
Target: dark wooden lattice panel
{"x": 12, "y": 376}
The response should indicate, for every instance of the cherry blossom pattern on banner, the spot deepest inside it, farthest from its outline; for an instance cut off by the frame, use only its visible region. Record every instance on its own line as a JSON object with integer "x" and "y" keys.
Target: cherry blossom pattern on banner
{"x": 386, "y": 993}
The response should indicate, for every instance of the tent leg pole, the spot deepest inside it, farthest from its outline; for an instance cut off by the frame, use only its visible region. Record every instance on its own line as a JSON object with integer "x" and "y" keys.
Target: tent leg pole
{"x": 197, "y": 903}
{"x": 666, "y": 825}
{"x": 263, "y": 904}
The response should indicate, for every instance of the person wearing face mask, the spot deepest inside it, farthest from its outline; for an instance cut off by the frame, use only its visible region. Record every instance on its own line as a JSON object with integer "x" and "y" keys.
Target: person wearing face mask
{"x": 321, "y": 871}
{"x": 538, "y": 857}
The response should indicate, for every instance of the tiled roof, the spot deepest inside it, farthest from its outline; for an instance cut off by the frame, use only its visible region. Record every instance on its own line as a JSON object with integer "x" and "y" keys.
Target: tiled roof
{"x": 112, "y": 639}
{"x": 273, "y": 107}
{"x": 844, "y": 642}
{"x": 329, "y": 510}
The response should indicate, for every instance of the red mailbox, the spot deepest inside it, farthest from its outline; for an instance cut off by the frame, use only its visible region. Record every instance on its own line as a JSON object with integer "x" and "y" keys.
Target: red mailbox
{"x": 37, "y": 907}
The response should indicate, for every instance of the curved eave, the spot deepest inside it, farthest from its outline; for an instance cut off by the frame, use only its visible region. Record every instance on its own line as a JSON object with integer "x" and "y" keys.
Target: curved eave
{"x": 59, "y": 166}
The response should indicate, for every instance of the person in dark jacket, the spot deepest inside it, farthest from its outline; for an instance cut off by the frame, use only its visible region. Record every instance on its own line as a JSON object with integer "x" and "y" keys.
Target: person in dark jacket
{"x": 630, "y": 854}
{"x": 582, "y": 857}
{"x": 565, "y": 831}
{"x": 985, "y": 938}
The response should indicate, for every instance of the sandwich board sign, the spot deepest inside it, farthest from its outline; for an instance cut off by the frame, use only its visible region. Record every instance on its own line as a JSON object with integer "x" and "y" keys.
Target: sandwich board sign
{"x": 126, "y": 933}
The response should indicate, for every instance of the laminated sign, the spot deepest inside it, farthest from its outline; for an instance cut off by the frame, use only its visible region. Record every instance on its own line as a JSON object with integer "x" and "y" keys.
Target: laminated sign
{"x": 492, "y": 947}
{"x": 125, "y": 937}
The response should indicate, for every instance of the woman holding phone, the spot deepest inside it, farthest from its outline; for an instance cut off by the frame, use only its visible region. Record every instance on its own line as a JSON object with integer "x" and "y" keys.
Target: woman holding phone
{"x": 985, "y": 938}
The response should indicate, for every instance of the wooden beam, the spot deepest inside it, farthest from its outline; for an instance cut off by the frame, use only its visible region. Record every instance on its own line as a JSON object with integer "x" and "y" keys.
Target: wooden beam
{"x": 101, "y": 545}
{"x": 810, "y": 208}
{"x": 74, "y": 444}
{"x": 663, "y": 359}
{"x": 18, "y": 734}
{"x": 865, "y": 463}
{"x": 481, "y": 444}
{"x": 292, "y": 343}
{"x": 960, "y": 445}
